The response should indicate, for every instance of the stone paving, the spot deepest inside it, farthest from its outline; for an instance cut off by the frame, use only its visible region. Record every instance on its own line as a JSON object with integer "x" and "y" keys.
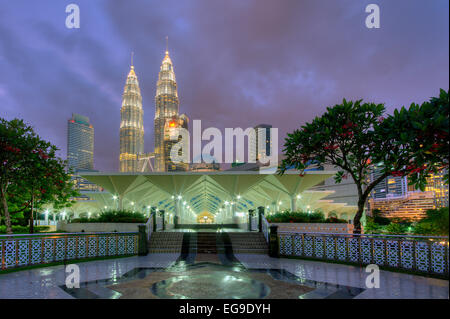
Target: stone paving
{"x": 330, "y": 278}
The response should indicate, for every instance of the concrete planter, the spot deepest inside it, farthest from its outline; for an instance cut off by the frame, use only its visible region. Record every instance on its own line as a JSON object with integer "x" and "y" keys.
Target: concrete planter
{"x": 315, "y": 228}
{"x": 98, "y": 227}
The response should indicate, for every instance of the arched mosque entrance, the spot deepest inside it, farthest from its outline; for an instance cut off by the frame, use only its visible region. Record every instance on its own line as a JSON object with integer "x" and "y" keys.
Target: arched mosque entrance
{"x": 205, "y": 218}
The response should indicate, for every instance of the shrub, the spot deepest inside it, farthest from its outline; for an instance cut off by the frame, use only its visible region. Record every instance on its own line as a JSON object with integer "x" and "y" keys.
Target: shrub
{"x": 378, "y": 219}
{"x": 436, "y": 223}
{"x": 302, "y": 217}
{"x": 114, "y": 216}
{"x": 394, "y": 228}
{"x": 371, "y": 227}
{"x": 335, "y": 220}
{"x": 18, "y": 229}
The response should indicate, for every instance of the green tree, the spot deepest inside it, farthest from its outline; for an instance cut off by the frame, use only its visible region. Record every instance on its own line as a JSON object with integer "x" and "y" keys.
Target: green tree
{"x": 33, "y": 175}
{"x": 421, "y": 130}
{"x": 352, "y": 136}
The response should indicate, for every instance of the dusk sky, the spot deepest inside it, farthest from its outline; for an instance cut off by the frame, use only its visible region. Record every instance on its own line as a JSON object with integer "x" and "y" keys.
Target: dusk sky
{"x": 238, "y": 63}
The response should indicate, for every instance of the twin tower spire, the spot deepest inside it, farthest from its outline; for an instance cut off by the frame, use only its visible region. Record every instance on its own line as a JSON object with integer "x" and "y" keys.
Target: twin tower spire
{"x": 132, "y": 153}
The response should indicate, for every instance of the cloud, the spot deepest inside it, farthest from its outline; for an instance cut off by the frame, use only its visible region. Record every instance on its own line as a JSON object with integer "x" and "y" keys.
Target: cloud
{"x": 238, "y": 63}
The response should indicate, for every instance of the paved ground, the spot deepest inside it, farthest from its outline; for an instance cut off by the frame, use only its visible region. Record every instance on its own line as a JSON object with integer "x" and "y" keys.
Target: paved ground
{"x": 46, "y": 282}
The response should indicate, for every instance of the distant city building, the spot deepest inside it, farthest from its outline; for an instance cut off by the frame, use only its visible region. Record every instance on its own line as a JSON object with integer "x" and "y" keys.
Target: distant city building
{"x": 243, "y": 167}
{"x": 131, "y": 125}
{"x": 207, "y": 164}
{"x": 261, "y": 143}
{"x": 166, "y": 114}
{"x": 171, "y": 137}
{"x": 394, "y": 198}
{"x": 391, "y": 186}
{"x": 435, "y": 184}
{"x": 80, "y": 143}
{"x": 205, "y": 167}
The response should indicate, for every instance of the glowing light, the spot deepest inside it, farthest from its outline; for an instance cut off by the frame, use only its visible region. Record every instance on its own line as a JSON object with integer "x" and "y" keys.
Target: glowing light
{"x": 299, "y": 196}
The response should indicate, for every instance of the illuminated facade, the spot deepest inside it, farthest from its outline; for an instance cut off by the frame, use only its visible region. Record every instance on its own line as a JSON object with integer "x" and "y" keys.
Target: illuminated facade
{"x": 166, "y": 109}
{"x": 435, "y": 184}
{"x": 131, "y": 125}
{"x": 171, "y": 137}
{"x": 394, "y": 198}
{"x": 391, "y": 186}
{"x": 80, "y": 143}
{"x": 412, "y": 206}
{"x": 261, "y": 143}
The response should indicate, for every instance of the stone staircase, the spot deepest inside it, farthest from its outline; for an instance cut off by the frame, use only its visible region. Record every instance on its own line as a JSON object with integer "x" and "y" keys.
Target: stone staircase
{"x": 165, "y": 242}
{"x": 209, "y": 243}
{"x": 206, "y": 243}
{"x": 248, "y": 243}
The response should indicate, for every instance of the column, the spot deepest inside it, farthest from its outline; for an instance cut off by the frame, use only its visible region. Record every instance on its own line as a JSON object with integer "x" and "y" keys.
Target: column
{"x": 120, "y": 202}
{"x": 293, "y": 203}
{"x": 260, "y": 217}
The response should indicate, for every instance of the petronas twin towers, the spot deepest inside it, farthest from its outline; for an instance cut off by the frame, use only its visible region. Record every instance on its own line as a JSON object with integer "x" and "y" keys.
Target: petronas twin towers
{"x": 132, "y": 156}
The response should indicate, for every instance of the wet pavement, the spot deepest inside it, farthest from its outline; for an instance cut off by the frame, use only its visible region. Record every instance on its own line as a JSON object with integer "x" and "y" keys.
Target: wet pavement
{"x": 222, "y": 275}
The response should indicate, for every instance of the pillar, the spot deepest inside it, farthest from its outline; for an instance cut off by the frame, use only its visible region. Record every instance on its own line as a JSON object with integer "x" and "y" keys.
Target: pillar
{"x": 274, "y": 243}
{"x": 120, "y": 202}
{"x": 260, "y": 217}
{"x": 163, "y": 214}
{"x": 153, "y": 215}
{"x": 250, "y": 215}
{"x": 142, "y": 244}
{"x": 175, "y": 207}
{"x": 293, "y": 203}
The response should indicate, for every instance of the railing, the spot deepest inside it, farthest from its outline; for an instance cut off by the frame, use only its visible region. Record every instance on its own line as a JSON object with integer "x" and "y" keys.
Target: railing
{"x": 412, "y": 253}
{"x": 26, "y": 250}
{"x": 265, "y": 227}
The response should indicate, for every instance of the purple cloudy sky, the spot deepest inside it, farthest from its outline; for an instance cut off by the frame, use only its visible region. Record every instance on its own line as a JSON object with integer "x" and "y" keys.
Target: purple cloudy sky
{"x": 238, "y": 63}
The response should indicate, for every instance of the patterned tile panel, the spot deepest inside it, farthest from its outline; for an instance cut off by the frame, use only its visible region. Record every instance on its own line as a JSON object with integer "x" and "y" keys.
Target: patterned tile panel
{"x": 20, "y": 251}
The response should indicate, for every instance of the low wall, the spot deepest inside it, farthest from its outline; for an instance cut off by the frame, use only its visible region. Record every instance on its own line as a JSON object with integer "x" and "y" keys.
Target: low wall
{"x": 419, "y": 254}
{"x": 315, "y": 228}
{"x": 26, "y": 250}
{"x": 98, "y": 227}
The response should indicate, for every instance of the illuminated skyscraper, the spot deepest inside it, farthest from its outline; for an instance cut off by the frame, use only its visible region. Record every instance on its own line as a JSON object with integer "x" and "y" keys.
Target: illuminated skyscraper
{"x": 261, "y": 144}
{"x": 80, "y": 143}
{"x": 171, "y": 137}
{"x": 131, "y": 125}
{"x": 166, "y": 112}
